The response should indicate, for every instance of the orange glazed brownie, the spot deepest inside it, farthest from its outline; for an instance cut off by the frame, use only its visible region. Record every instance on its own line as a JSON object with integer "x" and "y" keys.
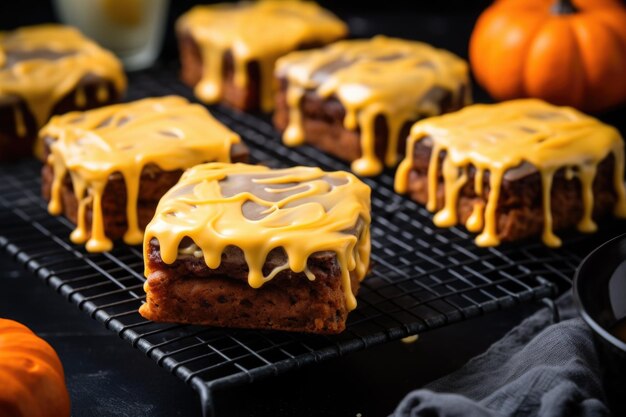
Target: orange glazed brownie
{"x": 46, "y": 70}
{"x": 228, "y": 51}
{"x": 515, "y": 169}
{"x": 357, "y": 99}
{"x": 235, "y": 245}
{"x": 107, "y": 168}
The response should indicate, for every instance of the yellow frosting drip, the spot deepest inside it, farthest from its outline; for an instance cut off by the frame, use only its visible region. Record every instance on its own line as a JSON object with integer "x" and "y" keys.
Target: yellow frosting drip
{"x": 302, "y": 210}
{"x": 261, "y": 32}
{"x": 90, "y": 146}
{"x": 43, "y": 82}
{"x": 377, "y": 77}
{"x": 499, "y": 137}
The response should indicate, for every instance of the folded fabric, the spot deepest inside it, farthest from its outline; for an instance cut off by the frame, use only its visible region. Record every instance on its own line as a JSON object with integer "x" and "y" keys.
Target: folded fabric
{"x": 537, "y": 369}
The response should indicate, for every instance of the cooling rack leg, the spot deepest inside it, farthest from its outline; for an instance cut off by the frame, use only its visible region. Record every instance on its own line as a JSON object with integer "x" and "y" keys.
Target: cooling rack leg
{"x": 206, "y": 397}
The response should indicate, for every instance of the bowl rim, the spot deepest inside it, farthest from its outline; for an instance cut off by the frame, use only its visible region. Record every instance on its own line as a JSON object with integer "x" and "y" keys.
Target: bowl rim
{"x": 595, "y": 326}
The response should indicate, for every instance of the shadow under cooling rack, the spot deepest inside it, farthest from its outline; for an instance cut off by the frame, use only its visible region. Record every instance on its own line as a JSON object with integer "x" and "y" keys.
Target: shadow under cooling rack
{"x": 422, "y": 278}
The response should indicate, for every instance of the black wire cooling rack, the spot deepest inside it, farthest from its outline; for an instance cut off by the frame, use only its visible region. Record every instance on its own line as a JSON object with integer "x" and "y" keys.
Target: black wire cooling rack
{"x": 422, "y": 277}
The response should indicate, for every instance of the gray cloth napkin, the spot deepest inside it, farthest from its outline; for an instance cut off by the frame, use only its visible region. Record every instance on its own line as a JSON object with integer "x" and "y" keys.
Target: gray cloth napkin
{"x": 537, "y": 369}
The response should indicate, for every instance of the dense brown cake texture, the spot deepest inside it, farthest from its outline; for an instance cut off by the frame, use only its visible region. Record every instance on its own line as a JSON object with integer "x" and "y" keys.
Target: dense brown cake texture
{"x": 133, "y": 134}
{"x": 520, "y": 210}
{"x": 357, "y": 99}
{"x": 323, "y": 123}
{"x": 16, "y": 143}
{"x": 153, "y": 183}
{"x": 190, "y": 292}
{"x": 245, "y": 98}
{"x": 227, "y": 52}
{"x": 33, "y": 60}
{"x": 247, "y": 277}
{"x": 515, "y": 170}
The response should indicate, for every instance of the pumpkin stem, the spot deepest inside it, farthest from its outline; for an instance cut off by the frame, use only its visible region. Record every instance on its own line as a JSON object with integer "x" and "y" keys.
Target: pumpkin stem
{"x": 564, "y": 7}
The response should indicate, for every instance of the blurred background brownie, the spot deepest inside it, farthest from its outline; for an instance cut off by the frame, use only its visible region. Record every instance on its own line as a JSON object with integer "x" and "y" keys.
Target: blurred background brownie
{"x": 246, "y": 246}
{"x": 516, "y": 169}
{"x": 107, "y": 168}
{"x": 357, "y": 99}
{"x": 47, "y": 70}
{"x": 228, "y": 51}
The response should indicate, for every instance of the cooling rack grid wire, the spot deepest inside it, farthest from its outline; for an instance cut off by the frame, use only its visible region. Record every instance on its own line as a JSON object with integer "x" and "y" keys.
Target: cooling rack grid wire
{"x": 422, "y": 277}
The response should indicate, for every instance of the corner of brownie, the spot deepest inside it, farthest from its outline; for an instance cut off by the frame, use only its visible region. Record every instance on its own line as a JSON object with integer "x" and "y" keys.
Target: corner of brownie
{"x": 274, "y": 256}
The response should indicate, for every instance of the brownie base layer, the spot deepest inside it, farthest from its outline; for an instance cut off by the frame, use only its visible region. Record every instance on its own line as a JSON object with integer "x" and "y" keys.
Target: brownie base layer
{"x": 14, "y": 146}
{"x": 519, "y": 213}
{"x": 323, "y": 127}
{"x": 153, "y": 184}
{"x": 244, "y": 99}
{"x": 187, "y": 291}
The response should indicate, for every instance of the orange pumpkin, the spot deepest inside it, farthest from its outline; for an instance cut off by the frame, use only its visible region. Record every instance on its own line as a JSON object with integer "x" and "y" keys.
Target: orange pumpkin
{"x": 567, "y": 53}
{"x": 31, "y": 375}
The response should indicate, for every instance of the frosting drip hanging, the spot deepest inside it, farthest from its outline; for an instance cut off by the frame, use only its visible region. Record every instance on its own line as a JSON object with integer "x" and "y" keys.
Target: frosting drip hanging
{"x": 301, "y": 210}
{"x": 260, "y": 32}
{"x": 168, "y": 132}
{"x": 43, "y": 64}
{"x": 376, "y": 77}
{"x": 501, "y": 138}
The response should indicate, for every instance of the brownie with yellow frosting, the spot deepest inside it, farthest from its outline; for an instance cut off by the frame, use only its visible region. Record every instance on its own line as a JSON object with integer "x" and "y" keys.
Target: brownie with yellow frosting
{"x": 106, "y": 169}
{"x": 357, "y": 99}
{"x": 47, "y": 70}
{"x": 514, "y": 170}
{"x": 236, "y": 245}
{"x": 228, "y": 51}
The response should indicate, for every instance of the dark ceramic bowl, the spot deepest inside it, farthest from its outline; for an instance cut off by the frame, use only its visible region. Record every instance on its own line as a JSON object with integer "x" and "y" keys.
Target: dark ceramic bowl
{"x": 600, "y": 295}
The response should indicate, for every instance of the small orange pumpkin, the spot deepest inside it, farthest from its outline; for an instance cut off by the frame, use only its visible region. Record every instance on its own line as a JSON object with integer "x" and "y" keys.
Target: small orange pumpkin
{"x": 567, "y": 53}
{"x": 31, "y": 375}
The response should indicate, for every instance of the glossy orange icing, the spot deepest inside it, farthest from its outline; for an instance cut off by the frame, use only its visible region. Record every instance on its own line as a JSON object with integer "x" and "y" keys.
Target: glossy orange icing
{"x": 302, "y": 210}
{"x": 499, "y": 137}
{"x": 374, "y": 77}
{"x": 254, "y": 31}
{"x": 90, "y": 146}
{"x": 43, "y": 82}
